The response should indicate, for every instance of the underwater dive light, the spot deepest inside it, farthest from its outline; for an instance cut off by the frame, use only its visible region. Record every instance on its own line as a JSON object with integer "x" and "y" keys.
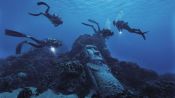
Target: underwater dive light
{"x": 52, "y": 49}
{"x": 120, "y": 32}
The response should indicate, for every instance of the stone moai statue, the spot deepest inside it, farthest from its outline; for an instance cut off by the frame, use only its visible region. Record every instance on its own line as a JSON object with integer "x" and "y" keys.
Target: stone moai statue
{"x": 104, "y": 83}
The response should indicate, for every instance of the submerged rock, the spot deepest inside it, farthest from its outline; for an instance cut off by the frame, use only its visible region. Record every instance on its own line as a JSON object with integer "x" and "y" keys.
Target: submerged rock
{"x": 67, "y": 74}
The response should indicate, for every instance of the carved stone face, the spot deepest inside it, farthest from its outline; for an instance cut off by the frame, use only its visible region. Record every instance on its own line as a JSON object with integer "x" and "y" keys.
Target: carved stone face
{"x": 93, "y": 53}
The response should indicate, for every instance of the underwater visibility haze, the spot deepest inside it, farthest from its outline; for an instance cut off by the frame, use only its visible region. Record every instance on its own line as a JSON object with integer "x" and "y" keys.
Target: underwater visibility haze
{"x": 153, "y": 20}
{"x": 156, "y": 17}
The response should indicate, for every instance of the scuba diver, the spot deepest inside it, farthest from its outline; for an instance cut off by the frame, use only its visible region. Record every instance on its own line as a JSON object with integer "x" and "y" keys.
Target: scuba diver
{"x": 124, "y": 25}
{"x": 105, "y": 33}
{"x": 53, "y": 43}
{"x": 56, "y": 20}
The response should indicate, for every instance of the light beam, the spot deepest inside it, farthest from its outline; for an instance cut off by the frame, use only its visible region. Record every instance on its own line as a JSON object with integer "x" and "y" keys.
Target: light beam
{"x": 52, "y": 49}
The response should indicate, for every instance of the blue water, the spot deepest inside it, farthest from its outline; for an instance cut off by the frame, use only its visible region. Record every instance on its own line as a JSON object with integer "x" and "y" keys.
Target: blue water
{"x": 155, "y": 16}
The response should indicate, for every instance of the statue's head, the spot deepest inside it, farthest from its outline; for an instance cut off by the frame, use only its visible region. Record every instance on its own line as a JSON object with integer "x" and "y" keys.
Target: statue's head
{"x": 92, "y": 53}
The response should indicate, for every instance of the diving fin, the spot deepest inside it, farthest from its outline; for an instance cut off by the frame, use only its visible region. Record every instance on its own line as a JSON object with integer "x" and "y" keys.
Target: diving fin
{"x": 35, "y": 14}
{"x": 42, "y": 3}
{"x": 143, "y": 35}
{"x": 87, "y": 24}
{"x": 14, "y": 33}
{"x": 93, "y": 21}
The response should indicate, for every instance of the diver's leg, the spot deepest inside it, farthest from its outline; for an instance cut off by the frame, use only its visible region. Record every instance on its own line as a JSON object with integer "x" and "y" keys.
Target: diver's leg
{"x": 90, "y": 20}
{"x": 35, "y": 45}
{"x": 19, "y": 47}
{"x": 36, "y": 40}
{"x": 90, "y": 26}
{"x": 43, "y": 3}
{"x": 128, "y": 28}
{"x": 48, "y": 8}
{"x": 138, "y": 31}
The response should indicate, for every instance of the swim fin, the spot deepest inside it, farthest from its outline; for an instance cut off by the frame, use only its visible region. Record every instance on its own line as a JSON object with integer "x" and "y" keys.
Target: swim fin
{"x": 93, "y": 21}
{"x": 87, "y": 24}
{"x": 14, "y": 33}
{"x": 45, "y": 4}
{"x": 42, "y": 3}
{"x": 35, "y": 14}
{"x": 143, "y": 35}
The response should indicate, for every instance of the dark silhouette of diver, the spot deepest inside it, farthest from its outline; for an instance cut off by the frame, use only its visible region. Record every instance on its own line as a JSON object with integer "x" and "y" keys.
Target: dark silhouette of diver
{"x": 121, "y": 25}
{"x": 104, "y": 33}
{"x": 37, "y": 43}
{"x": 56, "y": 20}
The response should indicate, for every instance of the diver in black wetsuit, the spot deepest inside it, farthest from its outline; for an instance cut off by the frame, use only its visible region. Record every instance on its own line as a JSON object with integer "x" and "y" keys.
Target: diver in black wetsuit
{"x": 105, "y": 33}
{"x": 124, "y": 25}
{"x": 56, "y": 21}
{"x": 38, "y": 43}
